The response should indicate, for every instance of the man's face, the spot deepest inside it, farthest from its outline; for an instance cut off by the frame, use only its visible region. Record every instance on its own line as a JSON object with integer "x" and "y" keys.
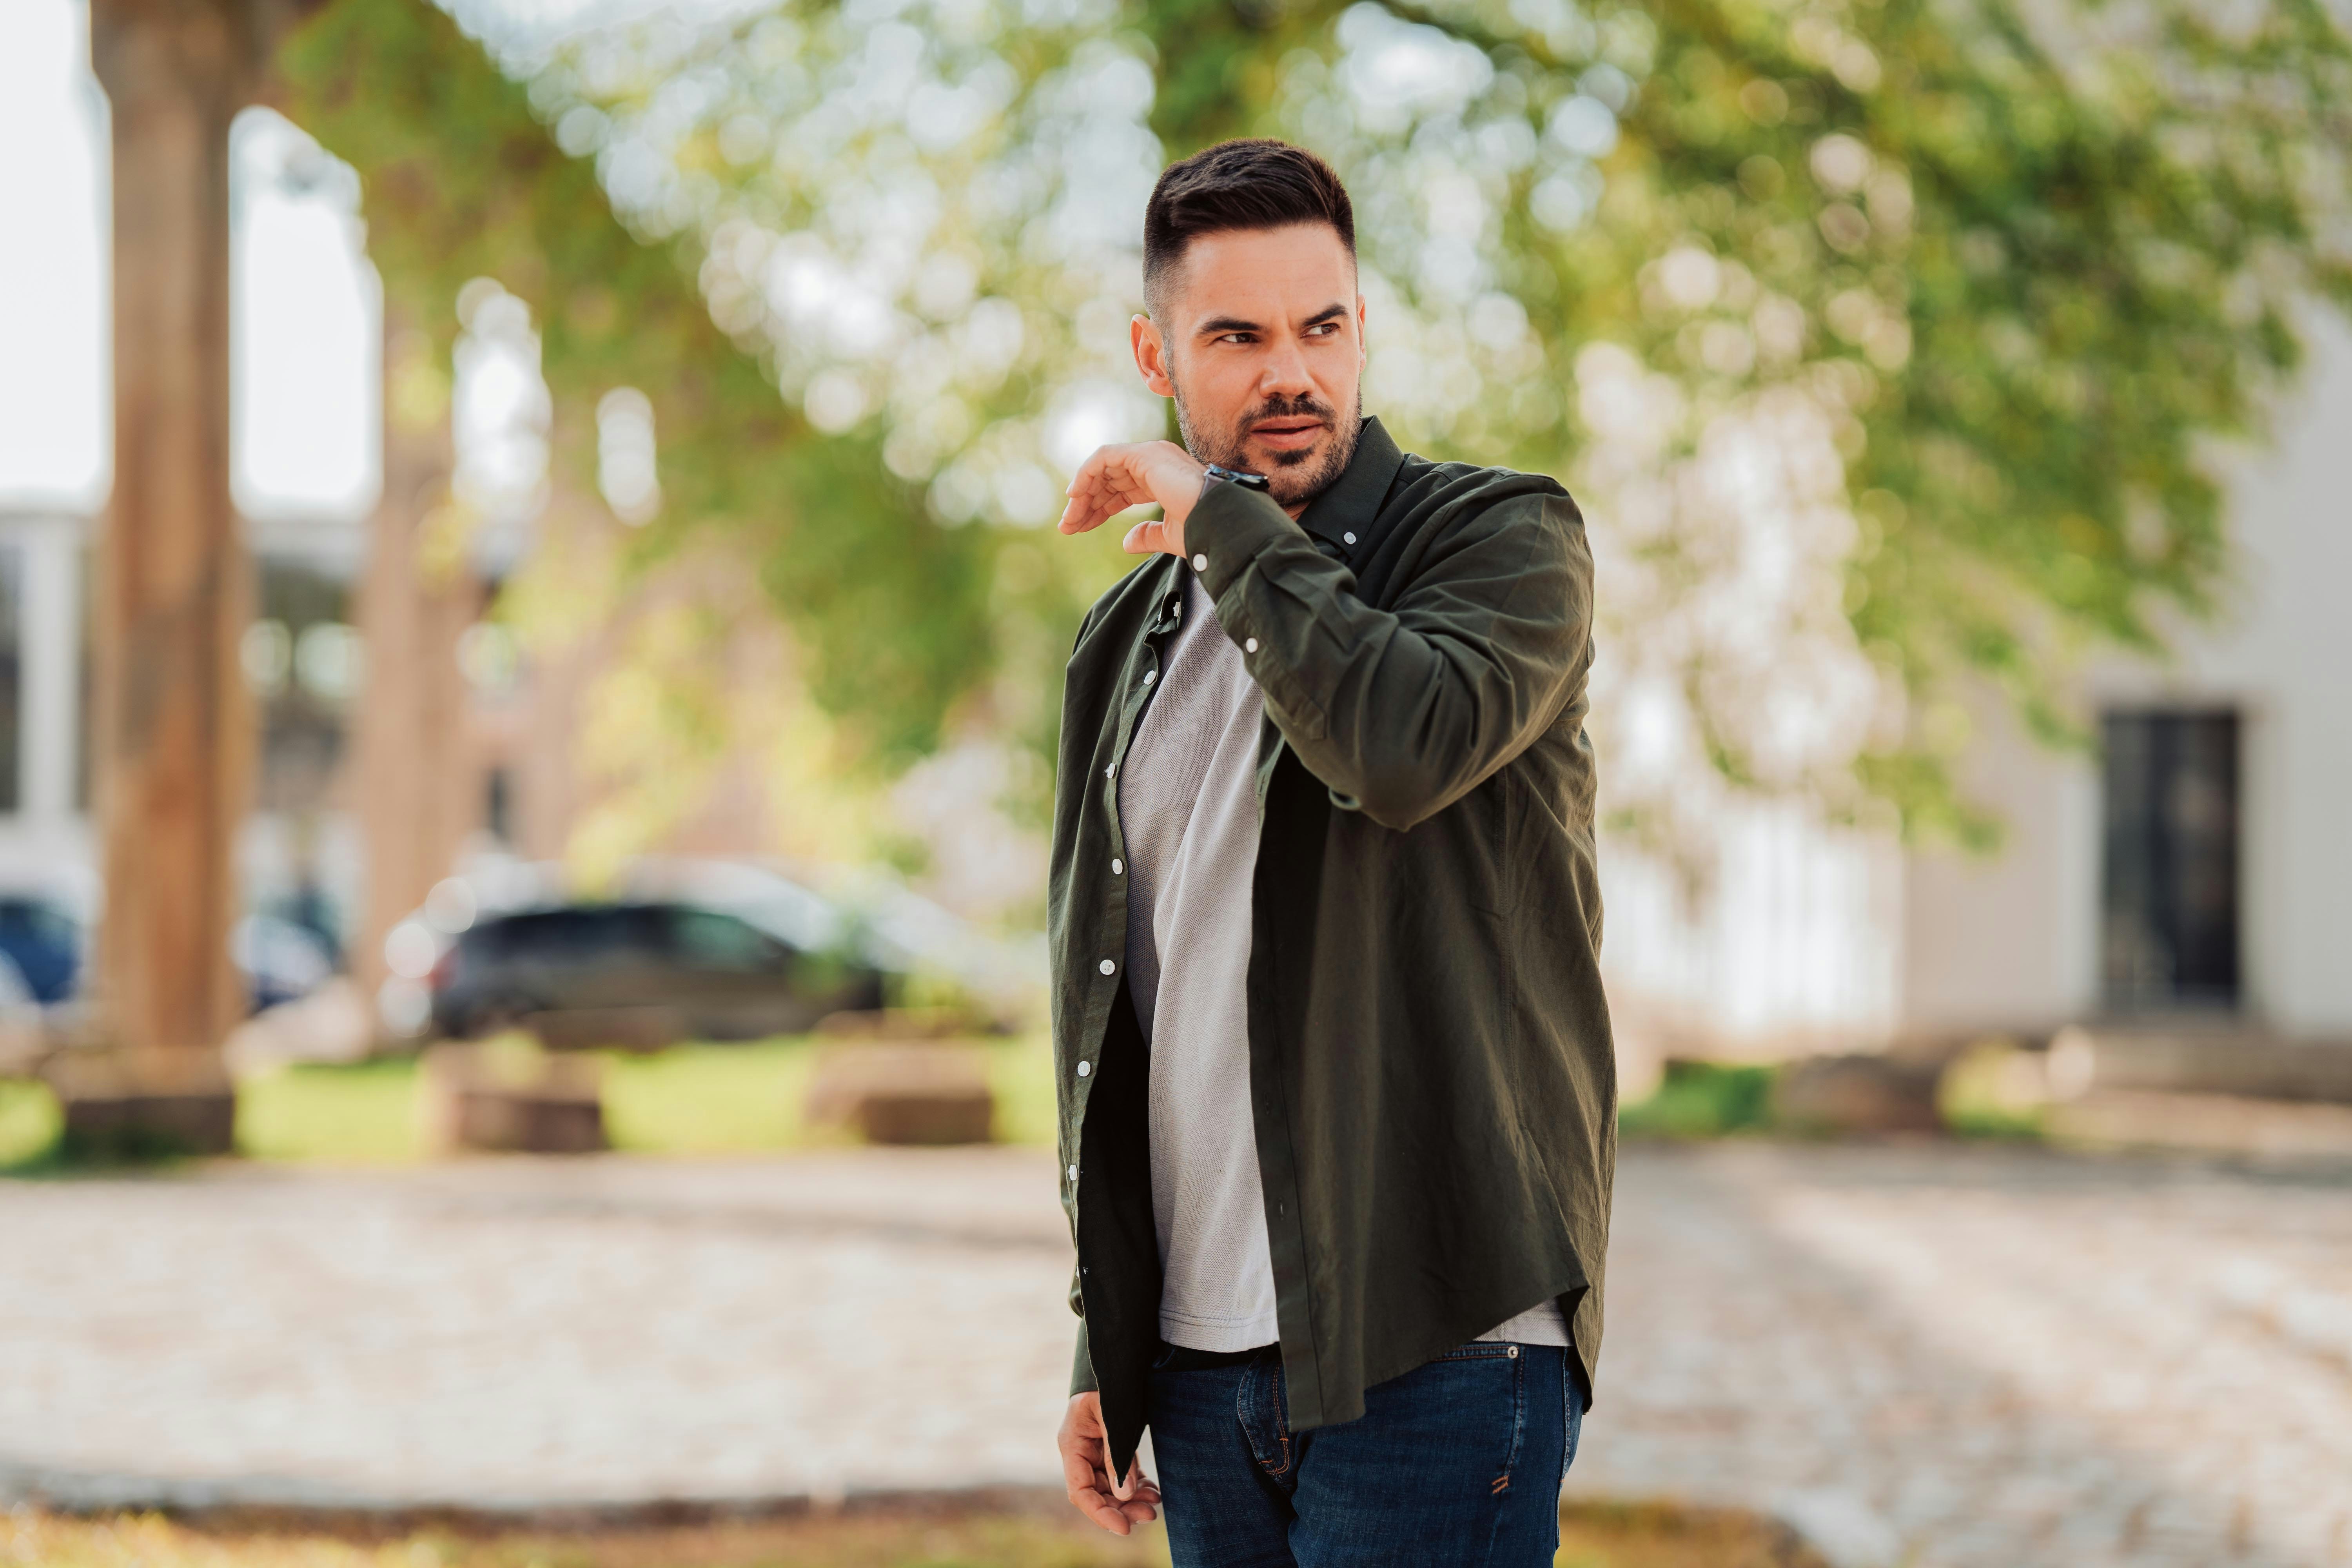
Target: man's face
{"x": 1262, "y": 348}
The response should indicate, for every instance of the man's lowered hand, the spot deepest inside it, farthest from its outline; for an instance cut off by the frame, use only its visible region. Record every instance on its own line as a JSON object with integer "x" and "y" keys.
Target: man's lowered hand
{"x": 1086, "y": 1469}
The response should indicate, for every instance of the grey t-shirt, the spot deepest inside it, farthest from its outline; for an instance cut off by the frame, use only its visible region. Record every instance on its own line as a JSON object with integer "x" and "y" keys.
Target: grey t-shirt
{"x": 1188, "y": 813}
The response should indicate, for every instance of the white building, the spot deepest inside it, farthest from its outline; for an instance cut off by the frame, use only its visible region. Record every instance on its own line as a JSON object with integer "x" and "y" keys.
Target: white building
{"x": 2198, "y": 869}
{"x": 44, "y": 827}
{"x": 2205, "y": 864}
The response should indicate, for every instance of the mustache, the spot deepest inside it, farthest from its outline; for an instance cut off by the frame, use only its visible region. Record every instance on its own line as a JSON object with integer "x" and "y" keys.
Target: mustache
{"x": 1302, "y": 406}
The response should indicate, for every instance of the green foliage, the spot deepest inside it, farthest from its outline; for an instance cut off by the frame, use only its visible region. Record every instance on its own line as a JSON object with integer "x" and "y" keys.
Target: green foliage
{"x": 1941, "y": 305}
{"x": 460, "y": 180}
{"x": 1702, "y": 1099}
{"x": 1883, "y": 340}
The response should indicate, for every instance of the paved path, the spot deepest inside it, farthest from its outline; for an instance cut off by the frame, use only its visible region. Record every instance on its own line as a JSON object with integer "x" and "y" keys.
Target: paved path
{"x": 1961, "y": 1358}
{"x": 1993, "y": 1358}
{"x": 534, "y": 1332}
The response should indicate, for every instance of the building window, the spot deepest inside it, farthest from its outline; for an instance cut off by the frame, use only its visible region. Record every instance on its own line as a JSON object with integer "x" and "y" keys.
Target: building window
{"x": 2169, "y": 884}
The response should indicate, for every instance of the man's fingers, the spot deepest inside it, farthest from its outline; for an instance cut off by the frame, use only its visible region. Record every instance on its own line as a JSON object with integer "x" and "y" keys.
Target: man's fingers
{"x": 1078, "y": 1473}
{"x": 1106, "y": 484}
{"x": 1143, "y": 1501}
{"x": 1107, "y": 1513}
{"x": 1118, "y": 1489}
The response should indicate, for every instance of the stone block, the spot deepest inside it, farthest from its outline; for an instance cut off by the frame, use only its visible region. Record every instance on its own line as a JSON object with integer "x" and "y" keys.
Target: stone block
{"x": 2186, "y": 1059}
{"x": 900, "y": 1093}
{"x": 1858, "y": 1094}
{"x": 507, "y": 1096}
{"x": 123, "y": 1104}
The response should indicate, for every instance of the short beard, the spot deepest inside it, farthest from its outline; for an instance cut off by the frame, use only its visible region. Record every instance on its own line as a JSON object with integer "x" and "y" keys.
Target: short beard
{"x": 1292, "y": 482}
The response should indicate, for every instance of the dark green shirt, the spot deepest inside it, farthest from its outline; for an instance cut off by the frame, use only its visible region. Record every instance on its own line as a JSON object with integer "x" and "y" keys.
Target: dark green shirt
{"x": 1431, "y": 1073}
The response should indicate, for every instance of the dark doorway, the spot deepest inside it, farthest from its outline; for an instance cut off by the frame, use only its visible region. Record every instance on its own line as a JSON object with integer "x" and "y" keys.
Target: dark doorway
{"x": 2169, "y": 884}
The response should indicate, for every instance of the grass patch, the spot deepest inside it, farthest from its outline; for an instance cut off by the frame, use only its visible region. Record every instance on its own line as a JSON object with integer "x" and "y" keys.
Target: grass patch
{"x": 689, "y": 1100}
{"x": 360, "y": 1113}
{"x": 1702, "y": 1099}
{"x": 30, "y": 1124}
{"x": 1994, "y": 1090}
{"x": 843, "y": 1541}
{"x": 1592, "y": 1536}
{"x": 1659, "y": 1535}
{"x": 708, "y": 1099}
{"x": 1021, "y": 1072}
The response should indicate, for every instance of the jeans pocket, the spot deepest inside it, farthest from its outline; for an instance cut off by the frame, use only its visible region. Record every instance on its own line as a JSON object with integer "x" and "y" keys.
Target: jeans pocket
{"x": 1573, "y": 1408}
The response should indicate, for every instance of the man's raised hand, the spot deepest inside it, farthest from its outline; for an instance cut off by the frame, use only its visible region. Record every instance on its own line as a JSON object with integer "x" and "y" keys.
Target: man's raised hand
{"x": 1137, "y": 473}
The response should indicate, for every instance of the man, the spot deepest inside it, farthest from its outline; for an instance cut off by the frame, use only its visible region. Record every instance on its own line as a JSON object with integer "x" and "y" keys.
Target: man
{"x": 1337, "y": 1100}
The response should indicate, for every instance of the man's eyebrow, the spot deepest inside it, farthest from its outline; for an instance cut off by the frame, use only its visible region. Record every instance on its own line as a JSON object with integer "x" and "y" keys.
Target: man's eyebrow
{"x": 1216, "y": 326}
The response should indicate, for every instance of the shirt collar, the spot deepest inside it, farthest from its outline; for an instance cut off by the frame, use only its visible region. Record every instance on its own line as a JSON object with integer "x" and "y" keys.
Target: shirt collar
{"x": 1352, "y": 504}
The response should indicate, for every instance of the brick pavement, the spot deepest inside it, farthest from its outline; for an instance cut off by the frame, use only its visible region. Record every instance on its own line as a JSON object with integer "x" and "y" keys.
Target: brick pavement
{"x": 1957, "y": 1357}
{"x": 1975, "y": 1357}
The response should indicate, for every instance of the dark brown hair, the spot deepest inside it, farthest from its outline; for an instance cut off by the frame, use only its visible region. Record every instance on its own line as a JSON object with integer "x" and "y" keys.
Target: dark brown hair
{"x": 1252, "y": 184}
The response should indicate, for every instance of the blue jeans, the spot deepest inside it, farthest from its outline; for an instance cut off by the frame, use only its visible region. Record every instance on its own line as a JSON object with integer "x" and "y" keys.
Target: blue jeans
{"x": 1456, "y": 1462}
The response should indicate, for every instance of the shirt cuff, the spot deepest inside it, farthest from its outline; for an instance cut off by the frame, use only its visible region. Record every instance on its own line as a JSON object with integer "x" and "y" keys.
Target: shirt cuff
{"x": 1082, "y": 1366}
{"x": 1228, "y": 527}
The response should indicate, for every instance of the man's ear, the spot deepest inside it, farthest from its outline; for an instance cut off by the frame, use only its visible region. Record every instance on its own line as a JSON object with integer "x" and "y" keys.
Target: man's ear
{"x": 1150, "y": 354}
{"x": 1363, "y": 338}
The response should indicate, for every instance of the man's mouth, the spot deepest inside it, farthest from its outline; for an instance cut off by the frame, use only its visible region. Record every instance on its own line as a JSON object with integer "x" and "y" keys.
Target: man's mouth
{"x": 1289, "y": 434}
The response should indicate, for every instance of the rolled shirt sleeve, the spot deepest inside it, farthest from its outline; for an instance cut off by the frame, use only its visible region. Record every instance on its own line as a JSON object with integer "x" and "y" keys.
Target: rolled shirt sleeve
{"x": 1402, "y": 711}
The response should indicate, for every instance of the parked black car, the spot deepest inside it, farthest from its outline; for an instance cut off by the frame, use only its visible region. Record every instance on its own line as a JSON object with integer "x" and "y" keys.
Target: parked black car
{"x": 45, "y": 944}
{"x": 639, "y": 974}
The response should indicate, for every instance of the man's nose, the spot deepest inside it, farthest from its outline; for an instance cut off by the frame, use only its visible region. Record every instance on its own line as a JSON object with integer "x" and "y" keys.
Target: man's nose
{"x": 1284, "y": 371}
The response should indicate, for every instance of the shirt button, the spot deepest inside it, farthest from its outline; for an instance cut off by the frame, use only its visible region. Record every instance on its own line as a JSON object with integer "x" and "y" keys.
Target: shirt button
{"x": 1119, "y": 867}
{"x": 1349, "y": 537}
{"x": 1111, "y": 771}
{"x": 1085, "y": 1067}
{"x": 1249, "y": 645}
{"x": 1073, "y": 1172}
{"x": 1107, "y": 966}
{"x": 1200, "y": 563}
{"x": 1149, "y": 676}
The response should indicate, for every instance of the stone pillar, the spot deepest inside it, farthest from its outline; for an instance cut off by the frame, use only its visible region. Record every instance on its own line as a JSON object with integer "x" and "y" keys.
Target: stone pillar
{"x": 173, "y": 733}
{"x": 420, "y": 789}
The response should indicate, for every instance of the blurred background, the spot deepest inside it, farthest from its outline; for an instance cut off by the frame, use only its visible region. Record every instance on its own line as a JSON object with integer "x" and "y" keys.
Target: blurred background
{"x": 528, "y": 626}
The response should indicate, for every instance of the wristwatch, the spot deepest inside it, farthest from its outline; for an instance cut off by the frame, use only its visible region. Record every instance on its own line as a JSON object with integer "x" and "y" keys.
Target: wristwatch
{"x": 1235, "y": 477}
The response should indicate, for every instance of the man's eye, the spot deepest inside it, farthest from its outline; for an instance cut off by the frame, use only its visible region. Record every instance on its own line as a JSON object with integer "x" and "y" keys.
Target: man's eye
{"x": 1235, "y": 338}
{"x": 1324, "y": 329}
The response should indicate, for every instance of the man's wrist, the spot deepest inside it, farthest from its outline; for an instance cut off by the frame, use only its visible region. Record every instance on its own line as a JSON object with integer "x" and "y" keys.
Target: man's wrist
{"x": 1228, "y": 529}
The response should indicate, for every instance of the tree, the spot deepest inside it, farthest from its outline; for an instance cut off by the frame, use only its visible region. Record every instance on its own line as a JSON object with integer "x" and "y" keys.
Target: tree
{"x": 1879, "y": 337}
